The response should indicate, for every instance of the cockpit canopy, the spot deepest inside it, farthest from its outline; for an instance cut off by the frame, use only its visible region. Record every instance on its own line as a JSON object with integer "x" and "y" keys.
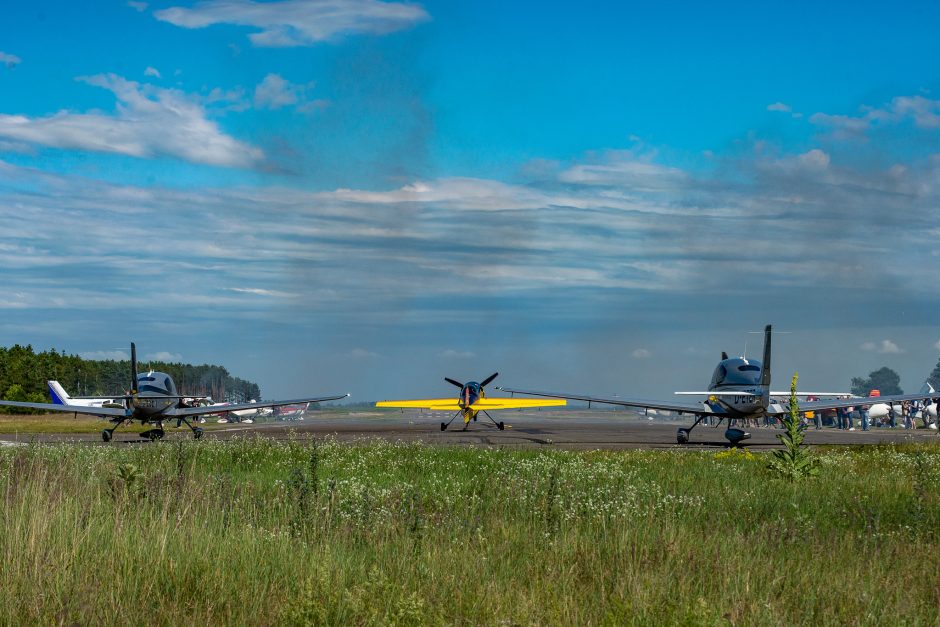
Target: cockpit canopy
{"x": 736, "y": 372}
{"x": 156, "y": 383}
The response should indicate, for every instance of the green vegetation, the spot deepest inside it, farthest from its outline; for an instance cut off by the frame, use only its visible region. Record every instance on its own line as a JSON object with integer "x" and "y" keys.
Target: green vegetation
{"x": 23, "y": 376}
{"x": 258, "y": 532}
{"x": 885, "y": 380}
{"x": 794, "y": 461}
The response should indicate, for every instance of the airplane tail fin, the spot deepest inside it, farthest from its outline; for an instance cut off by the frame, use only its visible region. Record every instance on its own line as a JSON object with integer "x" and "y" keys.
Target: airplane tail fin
{"x": 926, "y": 388}
{"x": 58, "y": 393}
{"x": 133, "y": 368}
{"x": 765, "y": 369}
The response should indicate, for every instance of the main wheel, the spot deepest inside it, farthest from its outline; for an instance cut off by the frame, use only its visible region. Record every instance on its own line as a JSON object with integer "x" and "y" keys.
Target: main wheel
{"x": 443, "y": 426}
{"x": 197, "y": 433}
{"x": 682, "y": 436}
{"x": 501, "y": 425}
{"x": 155, "y": 434}
{"x": 106, "y": 435}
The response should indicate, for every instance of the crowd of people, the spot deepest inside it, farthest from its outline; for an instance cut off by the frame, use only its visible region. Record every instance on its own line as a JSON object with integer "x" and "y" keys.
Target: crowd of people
{"x": 905, "y": 415}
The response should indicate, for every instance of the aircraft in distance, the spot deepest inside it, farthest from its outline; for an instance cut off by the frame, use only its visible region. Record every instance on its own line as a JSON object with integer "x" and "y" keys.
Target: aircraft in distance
{"x": 61, "y": 397}
{"x": 472, "y": 401}
{"x": 739, "y": 390}
{"x": 154, "y": 399}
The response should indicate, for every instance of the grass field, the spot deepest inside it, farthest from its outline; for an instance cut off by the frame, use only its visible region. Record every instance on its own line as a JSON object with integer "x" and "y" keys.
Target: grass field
{"x": 256, "y": 531}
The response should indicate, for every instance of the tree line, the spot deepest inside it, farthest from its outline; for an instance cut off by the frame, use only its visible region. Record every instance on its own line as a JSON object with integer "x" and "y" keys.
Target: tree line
{"x": 888, "y": 382}
{"x": 24, "y": 372}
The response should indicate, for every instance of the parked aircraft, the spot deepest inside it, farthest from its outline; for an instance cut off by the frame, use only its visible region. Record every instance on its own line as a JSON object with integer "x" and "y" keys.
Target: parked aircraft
{"x": 154, "y": 399}
{"x": 471, "y": 402}
{"x": 61, "y": 397}
{"x": 739, "y": 390}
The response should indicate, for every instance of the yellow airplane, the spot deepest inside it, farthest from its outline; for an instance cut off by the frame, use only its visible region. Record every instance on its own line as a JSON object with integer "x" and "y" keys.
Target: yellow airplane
{"x": 472, "y": 401}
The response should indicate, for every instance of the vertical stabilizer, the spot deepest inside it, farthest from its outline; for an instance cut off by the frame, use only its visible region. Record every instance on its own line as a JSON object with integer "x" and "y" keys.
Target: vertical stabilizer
{"x": 133, "y": 368}
{"x": 58, "y": 393}
{"x": 765, "y": 369}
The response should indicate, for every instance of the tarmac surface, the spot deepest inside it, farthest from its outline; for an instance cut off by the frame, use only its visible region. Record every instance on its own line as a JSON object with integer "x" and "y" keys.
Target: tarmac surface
{"x": 585, "y": 430}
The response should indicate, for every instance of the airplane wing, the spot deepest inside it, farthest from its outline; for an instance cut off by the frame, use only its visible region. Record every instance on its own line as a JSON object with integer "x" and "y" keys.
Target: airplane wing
{"x": 689, "y": 408}
{"x": 436, "y": 404}
{"x": 103, "y": 412}
{"x": 516, "y": 403}
{"x": 739, "y": 393}
{"x": 782, "y": 408}
{"x": 198, "y": 411}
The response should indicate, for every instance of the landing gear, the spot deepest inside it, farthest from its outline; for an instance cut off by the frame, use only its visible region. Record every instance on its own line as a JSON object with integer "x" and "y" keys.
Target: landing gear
{"x": 443, "y": 426}
{"x": 735, "y": 435}
{"x": 499, "y": 425}
{"x": 107, "y": 434}
{"x": 153, "y": 434}
{"x": 682, "y": 435}
{"x": 197, "y": 431}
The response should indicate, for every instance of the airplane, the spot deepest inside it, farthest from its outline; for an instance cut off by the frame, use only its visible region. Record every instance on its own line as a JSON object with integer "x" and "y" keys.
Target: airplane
{"x": 739, "y": 390}
{"x": 154, "y": 399}
{"x": 472, "y": 401}
{"x": 881, "y": 409}
{"x": 61, "y": 397}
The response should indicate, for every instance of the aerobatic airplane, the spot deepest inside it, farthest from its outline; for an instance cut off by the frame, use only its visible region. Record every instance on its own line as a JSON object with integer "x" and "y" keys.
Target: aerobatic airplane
{"x": 154, "y": 399}
{"x": 472, "y": 401}
{"x": 739, "y": 390}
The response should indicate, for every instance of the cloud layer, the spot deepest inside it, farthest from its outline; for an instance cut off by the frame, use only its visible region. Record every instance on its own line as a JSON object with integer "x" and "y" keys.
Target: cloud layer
{"x": 299, "y": 22}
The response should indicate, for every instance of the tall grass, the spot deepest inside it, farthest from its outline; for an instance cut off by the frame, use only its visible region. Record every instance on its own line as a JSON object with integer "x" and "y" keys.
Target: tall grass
{"x": 254, "y": 531}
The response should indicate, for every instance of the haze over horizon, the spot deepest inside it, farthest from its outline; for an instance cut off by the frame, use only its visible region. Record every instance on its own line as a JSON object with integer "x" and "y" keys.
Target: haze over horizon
{"x": 365, "y": 196}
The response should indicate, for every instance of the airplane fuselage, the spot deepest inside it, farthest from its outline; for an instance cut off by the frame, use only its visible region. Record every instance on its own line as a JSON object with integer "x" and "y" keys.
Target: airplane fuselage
{"x": 741, "y": 377}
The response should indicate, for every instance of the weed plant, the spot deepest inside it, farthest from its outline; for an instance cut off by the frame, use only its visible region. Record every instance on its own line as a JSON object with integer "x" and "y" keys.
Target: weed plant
{"x": 253, "y": 531}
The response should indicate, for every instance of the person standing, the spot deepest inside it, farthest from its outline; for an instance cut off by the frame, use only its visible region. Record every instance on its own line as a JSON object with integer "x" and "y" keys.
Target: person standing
{"x": 865, "y": 416}
{"x": 892, "y": 416}
{"x": 906, "y": 415}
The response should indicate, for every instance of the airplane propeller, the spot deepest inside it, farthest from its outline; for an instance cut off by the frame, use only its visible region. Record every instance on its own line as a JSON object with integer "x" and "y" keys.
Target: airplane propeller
{"x": 488, "y": 380}
{"x": 133, "y": 368}
{"x": 452, "y": 382}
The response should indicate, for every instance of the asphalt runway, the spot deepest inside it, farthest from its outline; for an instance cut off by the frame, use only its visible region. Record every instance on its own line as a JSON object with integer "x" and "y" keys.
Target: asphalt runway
{"x": 581, "y": 430}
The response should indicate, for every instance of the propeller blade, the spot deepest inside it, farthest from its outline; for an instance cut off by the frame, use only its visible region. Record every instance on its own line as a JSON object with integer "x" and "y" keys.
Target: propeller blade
{"x": 452, "y": 382}
{"x": 133, "y": 368}
{"x": 488, "y": 380}
{"x": 724, "y": 355}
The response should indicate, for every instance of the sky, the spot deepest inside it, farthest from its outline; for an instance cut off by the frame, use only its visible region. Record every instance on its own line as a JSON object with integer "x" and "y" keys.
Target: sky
{"x": 366, "y": 196}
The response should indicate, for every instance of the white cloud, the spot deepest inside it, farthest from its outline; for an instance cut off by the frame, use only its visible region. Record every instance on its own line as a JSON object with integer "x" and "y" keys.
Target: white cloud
{"x": 275, "y": 92}
{"x": 152, "y": 71}
{"x": 626, "y": 170}
{"x": 163, "y": 356}
{"x": 924, "y": 112}
{"x": 112, "y": 355}
{"x": 640, "y": 353}
{"x": 299, "y": 22}
{"x": 885, "y": 347}
{"x": 148, "y": 122}
{"x": 139, "y": 6}
{"x": 451, "y": 353}
{"x": 9, "y": 60}
{"x": 362, "y": 353}
{"x": 257, "y": 291}
{"x": 779, "y": 106}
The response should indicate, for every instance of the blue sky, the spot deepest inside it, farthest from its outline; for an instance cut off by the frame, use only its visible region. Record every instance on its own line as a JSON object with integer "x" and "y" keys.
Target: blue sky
{"x": 367, "y": 196}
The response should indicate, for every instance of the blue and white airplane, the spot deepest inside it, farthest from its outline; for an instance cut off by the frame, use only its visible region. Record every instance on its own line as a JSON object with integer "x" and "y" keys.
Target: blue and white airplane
{"x": 154, "y": 399}
{"x": 739, "y": 390}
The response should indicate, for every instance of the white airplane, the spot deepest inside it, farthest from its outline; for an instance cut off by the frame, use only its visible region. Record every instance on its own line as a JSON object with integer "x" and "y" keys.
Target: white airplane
{"x": 739, "y": 390}
{"x": 61, "y": 397}
{"x": 880, "y": 410}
